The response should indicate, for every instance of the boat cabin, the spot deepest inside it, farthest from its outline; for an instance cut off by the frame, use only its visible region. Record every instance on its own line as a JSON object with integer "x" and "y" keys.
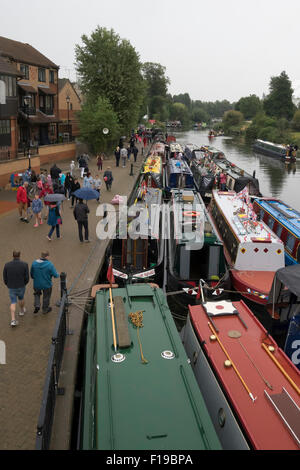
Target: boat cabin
{"x": 178, "y": 174}
{"x": 152, "y": 171}
{"x": 137, "y": 250}
{"x": 175, "y": 149}
{"x": 139, "y": 391}
{"x": 250, "y": 386}
{"x": 273, "y": 150}
{"x": 284, "y": 221}
{"x": 252, "y": 250}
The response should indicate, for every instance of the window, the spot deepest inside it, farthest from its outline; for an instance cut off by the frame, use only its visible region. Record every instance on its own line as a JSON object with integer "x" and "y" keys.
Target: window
{"x": 10, "y": 85}
{"x": 42, "y": 75}
{"x": 4, "y": 126}
{"x": 25, "y": 70}
{"x": 271, "y": 222}
{"x": 290, "y": 241}
{"x": 298, "y": 253}
{"x": 279, "y": 231}
{"x": 51, "y": 76}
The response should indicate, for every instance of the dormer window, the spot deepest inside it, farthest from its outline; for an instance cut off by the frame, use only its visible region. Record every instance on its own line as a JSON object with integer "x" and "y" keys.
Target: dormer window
{"x": 42, "y": 75}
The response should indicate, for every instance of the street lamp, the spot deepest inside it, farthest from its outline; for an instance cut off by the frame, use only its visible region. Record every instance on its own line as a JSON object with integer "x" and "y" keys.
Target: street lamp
{"x": 68, "y": 108}
{"x": 27, "y": 102}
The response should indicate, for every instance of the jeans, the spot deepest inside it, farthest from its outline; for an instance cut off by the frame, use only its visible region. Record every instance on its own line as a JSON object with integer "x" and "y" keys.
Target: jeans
{"x": 83, "y": 224}
{"x": 52, "y": 230}
{"x": 16, "y": 293}
{"x": 46, "y": 298}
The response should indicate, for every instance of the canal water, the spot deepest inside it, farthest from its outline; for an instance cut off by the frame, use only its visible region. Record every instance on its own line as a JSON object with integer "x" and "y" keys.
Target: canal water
{"x": 276, "y": 179}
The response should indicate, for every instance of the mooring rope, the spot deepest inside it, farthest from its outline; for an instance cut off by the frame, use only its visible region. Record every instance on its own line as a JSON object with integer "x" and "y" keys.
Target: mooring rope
{"x": 137, "y": 320}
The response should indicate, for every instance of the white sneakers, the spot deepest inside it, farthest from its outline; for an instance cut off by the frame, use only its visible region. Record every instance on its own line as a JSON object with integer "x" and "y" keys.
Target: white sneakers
{"x": 14, "y": 323}
{"x": 22, "y": 312}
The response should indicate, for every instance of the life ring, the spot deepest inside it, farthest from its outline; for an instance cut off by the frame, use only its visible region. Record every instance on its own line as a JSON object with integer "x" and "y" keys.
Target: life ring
{"x": 191, "y": 213}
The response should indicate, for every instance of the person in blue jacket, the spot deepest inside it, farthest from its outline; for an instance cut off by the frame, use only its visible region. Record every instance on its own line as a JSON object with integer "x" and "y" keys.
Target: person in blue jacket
{"x": 54, "y": 220}
{"x": 42, "y": 271}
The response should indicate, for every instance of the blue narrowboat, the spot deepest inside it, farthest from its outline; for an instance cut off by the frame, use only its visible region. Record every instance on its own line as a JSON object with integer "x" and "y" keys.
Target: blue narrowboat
{"x": 179, "y": 175}
{"x": 284, "y": 221}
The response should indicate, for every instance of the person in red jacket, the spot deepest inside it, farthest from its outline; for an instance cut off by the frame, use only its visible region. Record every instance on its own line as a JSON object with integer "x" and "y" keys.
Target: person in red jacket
{"x": 22, "y": 201}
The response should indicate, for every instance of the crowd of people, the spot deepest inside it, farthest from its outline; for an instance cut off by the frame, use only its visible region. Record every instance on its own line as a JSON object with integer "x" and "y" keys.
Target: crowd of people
{"x": 39, "y": 197}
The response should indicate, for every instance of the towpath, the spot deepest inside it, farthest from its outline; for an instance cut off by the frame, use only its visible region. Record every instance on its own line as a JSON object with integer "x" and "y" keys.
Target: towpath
{"x": 27, "y": 345}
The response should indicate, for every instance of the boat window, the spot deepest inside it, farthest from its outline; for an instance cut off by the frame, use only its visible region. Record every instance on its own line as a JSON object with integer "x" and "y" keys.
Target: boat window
{"x": 290, "y": 242}
{"x": 261, "y": 214}
{"x": 271, "y": 222}
{"x": 298, "y": 253}
{"x": 279, "y": 231}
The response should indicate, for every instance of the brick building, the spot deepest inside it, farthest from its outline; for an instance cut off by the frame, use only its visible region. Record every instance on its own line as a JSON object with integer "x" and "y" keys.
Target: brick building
{"x": 37, "y": 94}
{"x": 69, "y": 104}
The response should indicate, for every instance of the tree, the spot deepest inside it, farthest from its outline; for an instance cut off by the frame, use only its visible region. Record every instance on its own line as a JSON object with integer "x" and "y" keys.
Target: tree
{"x": 232, "y": 118}
{"x": 93, "y": 118}
{"x": 183, "y": 98}
{"x": 109, "y": 66}
{"x": 296, "y": 120}
{"x": 179, "y": 112}
{"x": 156, "y": 86}
{"x": 278, "y": 102}
{"x": 200, "y": 115}
{"x": 249, "y": 106}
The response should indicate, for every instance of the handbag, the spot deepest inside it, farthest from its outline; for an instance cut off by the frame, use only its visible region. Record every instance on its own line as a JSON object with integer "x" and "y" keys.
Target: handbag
{"x": 59, "y": 221}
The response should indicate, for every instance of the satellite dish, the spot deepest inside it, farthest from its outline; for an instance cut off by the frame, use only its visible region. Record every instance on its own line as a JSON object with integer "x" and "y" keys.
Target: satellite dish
{"x": 105, "y": 130}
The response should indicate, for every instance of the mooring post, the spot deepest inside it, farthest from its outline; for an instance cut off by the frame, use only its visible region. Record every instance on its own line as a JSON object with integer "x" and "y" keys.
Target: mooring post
{"x": 131, "y": 170}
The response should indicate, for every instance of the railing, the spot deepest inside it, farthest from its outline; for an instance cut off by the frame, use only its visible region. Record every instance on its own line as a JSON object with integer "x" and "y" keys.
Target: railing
{"x": 29, "y": 110}
{"x": 51, "y": 390}
{"x": 5, "y": 154}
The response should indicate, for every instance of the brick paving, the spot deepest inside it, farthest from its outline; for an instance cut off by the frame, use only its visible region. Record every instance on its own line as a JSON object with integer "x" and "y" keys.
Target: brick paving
{"x": 27, "y": 345}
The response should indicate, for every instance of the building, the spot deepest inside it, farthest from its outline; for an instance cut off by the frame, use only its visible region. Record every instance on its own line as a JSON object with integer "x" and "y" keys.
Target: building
{"x": 29, "y": 111}
{"x": 69, "y": 104}
{"x": 37, "y": 92}
{"x": 8, "y": 109}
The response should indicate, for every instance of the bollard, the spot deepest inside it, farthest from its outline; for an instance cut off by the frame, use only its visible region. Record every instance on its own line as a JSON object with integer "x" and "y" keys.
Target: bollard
{"x": 131, "y": 170}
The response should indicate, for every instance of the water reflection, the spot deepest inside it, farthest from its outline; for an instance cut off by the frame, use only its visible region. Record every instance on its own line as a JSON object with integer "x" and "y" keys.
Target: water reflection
{"x": 276, "y": 178}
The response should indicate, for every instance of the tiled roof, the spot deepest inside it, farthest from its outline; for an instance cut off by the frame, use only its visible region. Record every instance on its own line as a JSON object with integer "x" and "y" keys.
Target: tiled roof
{"x": 8, "y": 68}
{"x": 25, "y": 53}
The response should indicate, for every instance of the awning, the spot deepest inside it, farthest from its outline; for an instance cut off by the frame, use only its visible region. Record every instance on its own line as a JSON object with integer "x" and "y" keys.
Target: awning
{"x": 27, "y": 88}
{"x": 46, "y": 90}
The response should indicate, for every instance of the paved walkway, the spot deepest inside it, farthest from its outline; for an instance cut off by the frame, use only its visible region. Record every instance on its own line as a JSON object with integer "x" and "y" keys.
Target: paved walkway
{"x": 27, "y": 346}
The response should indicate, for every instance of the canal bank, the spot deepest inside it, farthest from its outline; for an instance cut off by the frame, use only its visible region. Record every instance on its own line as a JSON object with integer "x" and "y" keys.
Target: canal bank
{"x": 27, "y": 346}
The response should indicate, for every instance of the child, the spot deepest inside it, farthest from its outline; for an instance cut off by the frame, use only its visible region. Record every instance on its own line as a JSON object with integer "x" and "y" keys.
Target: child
{"x": 37, "y": 207}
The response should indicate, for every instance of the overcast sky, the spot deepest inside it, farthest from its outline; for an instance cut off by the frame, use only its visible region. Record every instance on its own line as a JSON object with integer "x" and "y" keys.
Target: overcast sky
{"x": 212, "y": 49}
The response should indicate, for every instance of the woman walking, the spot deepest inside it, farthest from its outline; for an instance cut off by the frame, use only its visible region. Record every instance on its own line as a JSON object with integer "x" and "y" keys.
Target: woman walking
{"x": 108, "y": 178}
{"x": 54, "y": 220}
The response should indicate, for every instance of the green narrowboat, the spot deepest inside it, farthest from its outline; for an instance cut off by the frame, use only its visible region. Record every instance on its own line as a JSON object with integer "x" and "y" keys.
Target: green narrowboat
{"x": 139, "y": 390}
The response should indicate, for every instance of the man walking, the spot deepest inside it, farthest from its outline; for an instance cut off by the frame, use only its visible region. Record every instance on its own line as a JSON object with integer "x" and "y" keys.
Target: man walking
{"x": 16, "y": 276}
{"x": 42, "y": 271}
{"x": 135, "y": 152}
{"x": 81, "y": 216}
{"x": 54, "y": 173}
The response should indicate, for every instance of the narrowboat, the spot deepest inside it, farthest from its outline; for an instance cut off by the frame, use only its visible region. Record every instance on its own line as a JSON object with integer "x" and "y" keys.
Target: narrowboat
{"x": 250, "y": 386}
{"x": 178, "y": 174}
{"x": 153, "y": 172}
{"x": 284, "y": 221}
{"x": 137, "y": 249}
{"x": 275, "y": 150}
{"x": 190, "y": 150}
{"x": 139, "y": 391}
{"x": 204, "y": 179}
{"x": 284, "y": 308}
{"x": 175, "y": 149}
{"x": 194, "y": 252}
{"x": 158, "y": 149}
{"x": 253, "y": 252}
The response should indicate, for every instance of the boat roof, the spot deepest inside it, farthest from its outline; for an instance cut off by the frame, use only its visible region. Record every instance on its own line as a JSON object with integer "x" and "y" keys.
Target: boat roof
{"x": 184, "y": 203}
{"x": 152, "y": 164}
{"x": 271, "y": 143}
{"x": 152, "y": 405}
{"x": 283, "y": 212}
{"x": 263, "y": 424}
{"x": 178, "y": 166}
{"x": 238, "y": 215}
{"x": 232, "y": 170}
{"x": 287, "y": 277}
{"x": 147, "y": 205}
{"x": 176, "y": 147}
